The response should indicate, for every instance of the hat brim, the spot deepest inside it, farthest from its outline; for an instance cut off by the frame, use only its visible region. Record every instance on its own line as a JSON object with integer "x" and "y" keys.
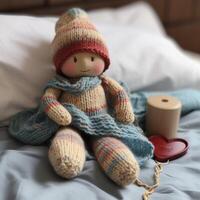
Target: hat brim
{"x": 81, "y": 46}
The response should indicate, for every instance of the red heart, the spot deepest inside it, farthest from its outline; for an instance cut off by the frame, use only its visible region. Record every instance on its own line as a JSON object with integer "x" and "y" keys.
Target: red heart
{"x": 168, "y": 149}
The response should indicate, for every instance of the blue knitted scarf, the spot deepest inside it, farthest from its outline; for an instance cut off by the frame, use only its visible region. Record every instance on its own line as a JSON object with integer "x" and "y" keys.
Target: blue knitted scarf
{"x": 82, "y": 85}
{"x": 33, "y": 126}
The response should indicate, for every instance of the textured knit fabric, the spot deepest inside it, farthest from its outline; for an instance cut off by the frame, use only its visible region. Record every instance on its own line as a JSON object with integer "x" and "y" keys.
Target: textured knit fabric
{"x": 75, "y": 33}
{"x": 116, "y": 160}
{"x": 67, "y": 153}
{"x": 35, "y": 127}
{"x": 80, "y": 86}
{"x": 91, "y": 101}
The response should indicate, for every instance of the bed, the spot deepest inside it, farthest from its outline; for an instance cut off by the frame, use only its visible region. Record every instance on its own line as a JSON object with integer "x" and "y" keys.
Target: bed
{"x": 25, "y": 66}
{"x": 27, "y": 175}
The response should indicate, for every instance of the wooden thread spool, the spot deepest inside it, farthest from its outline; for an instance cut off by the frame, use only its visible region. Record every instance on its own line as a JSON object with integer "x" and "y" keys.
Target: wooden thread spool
{"x": 163, "y": 115}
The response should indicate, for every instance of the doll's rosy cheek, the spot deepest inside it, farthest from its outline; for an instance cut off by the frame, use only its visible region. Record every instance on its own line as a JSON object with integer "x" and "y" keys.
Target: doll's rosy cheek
{"x": 69, "y": 68}
{"x": 98, "y": 68}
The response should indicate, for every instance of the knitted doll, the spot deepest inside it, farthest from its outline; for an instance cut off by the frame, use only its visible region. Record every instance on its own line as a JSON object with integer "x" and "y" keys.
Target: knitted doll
{"x": 80, "y": 101}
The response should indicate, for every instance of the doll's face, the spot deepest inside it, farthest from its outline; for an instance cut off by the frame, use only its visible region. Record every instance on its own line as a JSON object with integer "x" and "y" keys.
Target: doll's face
{"x": 83, "y": 64}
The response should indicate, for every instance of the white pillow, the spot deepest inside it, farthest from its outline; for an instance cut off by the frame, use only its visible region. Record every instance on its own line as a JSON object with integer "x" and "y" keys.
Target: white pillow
{"x": 146, "y": 61}
{"x": 140, "y": 55}
{"x": 25, "y": 62}
{"x": 138, "y": 15}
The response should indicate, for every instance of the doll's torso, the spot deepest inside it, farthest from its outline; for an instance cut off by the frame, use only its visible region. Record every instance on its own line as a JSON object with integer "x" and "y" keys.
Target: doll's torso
{"x": 90, "y": 101}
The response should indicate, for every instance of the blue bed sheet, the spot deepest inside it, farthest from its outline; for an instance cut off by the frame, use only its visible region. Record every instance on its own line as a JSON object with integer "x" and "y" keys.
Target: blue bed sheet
{"x": 25, "y": 173}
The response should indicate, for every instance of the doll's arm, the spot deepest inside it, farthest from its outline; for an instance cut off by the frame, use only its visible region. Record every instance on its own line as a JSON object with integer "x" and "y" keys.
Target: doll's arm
{"x": 52, "y": 107}
{"x": 122, "y": 105}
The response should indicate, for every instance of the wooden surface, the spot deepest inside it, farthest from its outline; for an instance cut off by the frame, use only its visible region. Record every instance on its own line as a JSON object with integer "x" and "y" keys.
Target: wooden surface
{"x": 9, "y": 5}
{"x": 181, "y": 18}
{"x": 182, "y": 22}
{"x": 180, "y": 10}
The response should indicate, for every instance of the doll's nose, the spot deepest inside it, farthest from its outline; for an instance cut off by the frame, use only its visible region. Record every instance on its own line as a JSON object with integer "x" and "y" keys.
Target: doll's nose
{"x": 85, "y": 62}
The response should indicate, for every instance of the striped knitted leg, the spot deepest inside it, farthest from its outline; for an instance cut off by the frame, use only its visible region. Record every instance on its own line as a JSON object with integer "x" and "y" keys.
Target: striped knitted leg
{"x": 116, "y": 160}
{"x": 67, "y": 153}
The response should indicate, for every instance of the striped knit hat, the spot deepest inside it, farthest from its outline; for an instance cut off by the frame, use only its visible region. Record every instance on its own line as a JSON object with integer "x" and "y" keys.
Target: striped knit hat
{"x": 75, "y": 33}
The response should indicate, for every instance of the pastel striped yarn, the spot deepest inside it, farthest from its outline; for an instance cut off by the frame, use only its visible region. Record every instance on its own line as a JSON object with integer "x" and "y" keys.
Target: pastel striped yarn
{"x": 116, "y": 160}
{"x": 92, "y": 101}
{"x": 75, "y": 33}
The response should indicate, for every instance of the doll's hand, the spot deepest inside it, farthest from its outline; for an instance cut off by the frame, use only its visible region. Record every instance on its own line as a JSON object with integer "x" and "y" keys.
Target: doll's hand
{"x": 64, "y": 118}
{"x": 60, "y": 115}
{"x": 125, "y": 117}
{"x": 54, "y": 109}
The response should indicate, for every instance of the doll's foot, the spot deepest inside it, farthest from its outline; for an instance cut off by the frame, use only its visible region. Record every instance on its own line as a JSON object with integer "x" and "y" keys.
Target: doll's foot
{"x": 116, "y": 160}
{"x": 67, "y": 153}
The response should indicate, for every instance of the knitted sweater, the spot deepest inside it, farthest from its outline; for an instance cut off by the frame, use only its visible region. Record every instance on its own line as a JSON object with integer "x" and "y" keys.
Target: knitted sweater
{"x": 96, "y": 106}
{"x": 90, "y": 101}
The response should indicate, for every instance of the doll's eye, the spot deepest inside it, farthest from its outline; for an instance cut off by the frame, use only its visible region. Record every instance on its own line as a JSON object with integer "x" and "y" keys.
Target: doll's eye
{"x": 75, "y": 59}
{"x": 92, "y": 59}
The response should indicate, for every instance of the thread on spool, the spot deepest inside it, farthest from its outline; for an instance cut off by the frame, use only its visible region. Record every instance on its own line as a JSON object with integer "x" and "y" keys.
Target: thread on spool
{"x": 163, "y": 114}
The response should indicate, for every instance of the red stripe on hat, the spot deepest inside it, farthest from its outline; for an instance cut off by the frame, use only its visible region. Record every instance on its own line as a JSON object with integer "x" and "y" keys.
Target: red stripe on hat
{"x": 80, "y": 46}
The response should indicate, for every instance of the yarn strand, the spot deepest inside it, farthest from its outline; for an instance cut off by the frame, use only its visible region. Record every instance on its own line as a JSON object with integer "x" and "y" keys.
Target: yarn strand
{"x": 149, "y": 189}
